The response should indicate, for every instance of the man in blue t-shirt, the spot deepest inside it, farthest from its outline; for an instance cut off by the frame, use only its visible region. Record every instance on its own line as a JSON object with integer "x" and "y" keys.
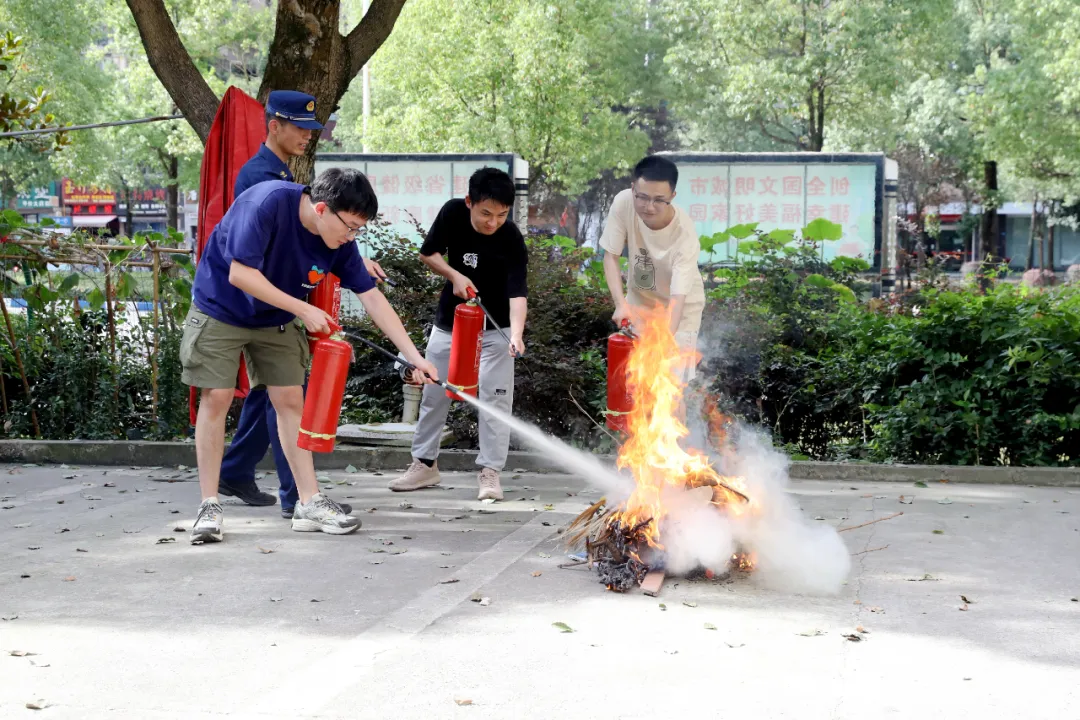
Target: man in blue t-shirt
{"x": 290, "y": 127}
{"x": 274, "y": 245}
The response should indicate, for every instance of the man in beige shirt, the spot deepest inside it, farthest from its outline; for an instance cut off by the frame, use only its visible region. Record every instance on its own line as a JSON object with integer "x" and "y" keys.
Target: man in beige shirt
{"x": 662, "y": 247}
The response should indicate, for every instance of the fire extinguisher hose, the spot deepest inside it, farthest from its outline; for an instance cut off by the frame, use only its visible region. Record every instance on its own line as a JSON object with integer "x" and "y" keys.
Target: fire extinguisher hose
{"x": 396, "y": 358}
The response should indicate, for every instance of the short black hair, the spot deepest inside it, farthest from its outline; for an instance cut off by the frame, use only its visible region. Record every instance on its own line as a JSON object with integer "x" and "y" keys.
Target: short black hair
{"x": 491, "y": 184}
{"x": 345, "y": 190}
{"x": 657, "y": 169}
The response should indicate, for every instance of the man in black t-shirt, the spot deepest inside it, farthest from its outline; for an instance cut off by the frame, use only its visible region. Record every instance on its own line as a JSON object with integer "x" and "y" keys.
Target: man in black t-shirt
{"x": 472, "y": 246}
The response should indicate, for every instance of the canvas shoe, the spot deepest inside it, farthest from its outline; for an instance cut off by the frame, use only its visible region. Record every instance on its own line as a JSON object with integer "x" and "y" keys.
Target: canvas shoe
{"x": 417, "y": 476}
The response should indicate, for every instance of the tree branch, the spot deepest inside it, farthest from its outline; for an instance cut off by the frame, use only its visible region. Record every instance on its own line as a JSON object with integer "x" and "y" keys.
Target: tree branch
{"x": 173, "y": 65}
{"x": 370, "y": 33}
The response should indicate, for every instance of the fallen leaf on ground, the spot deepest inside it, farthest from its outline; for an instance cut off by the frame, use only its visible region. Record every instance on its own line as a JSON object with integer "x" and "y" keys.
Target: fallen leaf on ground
{"x": 906, "y": 502}
{"x": 811, "y": 633}
{"x": 20, "y": 526}
{"x": 939, "y": 532}
{"x": 34, "y": 547}
{"x": 861, "y": 629}
{"x": 549, "y": 507}
{"x": 265, "y": 551}
{"x": 24, "y": 576}
{"x": 463, "y": 701}
{"x": 315, "y": 600}
{"x": 69, "y": 578}
{"x": 663, "y": 607}
{"x": 735, "y": 646}
{"x": 449, "y": 581}
{"x": 963, "y": 607}
{"x": 370, "y": 510}
{"x": 484, "y": 602}
{"x": 350, "y": 468}
{"x": 925, "y": 578}
{"x": 81, "y": 550}
{"x": 944, "y": 501}
{"x": 920, "y": 483}
{"x": 562, "y": 627}
{"x": 110, "y": 484}
{"x": 149, "y": 572}
{"x": 476, "y": 597}
{"x": 375, "y": 562}
{"x": 376, "y": 550}
{"x": 444, "y": 553}
{"x": 8, "y": 618}
{"x": 819, "y": 518}
{"x": 966, "y": 601}
{"x": 40, "y": 665}
{"x": 21, "y": 653}
{"x": 162, "y": 541}
{"x": 537, "y": 573}
{"x": 853, "y": 637}
{"x": 544, "y": 555}
{"x": 275, "y": 599}
{"x": 689, "y": 603}
{"x": 877, "y": 609}
{"x": 37, "y": 705}
{"x": 404, "y": 506}
{"x": 710, "y": 626}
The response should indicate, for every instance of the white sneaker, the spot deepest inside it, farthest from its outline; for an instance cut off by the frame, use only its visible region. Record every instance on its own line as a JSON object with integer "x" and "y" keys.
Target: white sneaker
{"x": 207, "y": 526}
{"x": 321, "y": 514}
{"x": 490, "y": 487}
{"x": 417, "y": 476}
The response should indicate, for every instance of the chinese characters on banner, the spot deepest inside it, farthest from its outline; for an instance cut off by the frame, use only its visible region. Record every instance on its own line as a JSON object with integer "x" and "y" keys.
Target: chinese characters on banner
{"x": 411, "y": 190}
{"x": 780, "y": 196}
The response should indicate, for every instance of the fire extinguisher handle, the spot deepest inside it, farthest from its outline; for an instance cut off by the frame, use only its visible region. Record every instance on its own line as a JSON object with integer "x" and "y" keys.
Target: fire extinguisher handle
{"x": 334, "y": 327}
{"x": 471, "y": 293}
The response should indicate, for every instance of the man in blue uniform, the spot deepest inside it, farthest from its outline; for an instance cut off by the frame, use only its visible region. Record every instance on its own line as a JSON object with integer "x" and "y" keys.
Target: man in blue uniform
{"x": 290, "y": 127}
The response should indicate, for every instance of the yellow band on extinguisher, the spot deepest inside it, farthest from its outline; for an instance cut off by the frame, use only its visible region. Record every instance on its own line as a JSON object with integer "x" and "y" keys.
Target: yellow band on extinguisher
{"x": 318, "y": 436}
{"x": 461, "y": 388}
{"x": 616, "y": 413}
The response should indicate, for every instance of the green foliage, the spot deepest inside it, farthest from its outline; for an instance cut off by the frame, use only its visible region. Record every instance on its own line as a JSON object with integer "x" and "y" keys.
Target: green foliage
{"x": 953, "y": 377}
{"x": 90, "y": 369}
{"x": 559, "y": 83}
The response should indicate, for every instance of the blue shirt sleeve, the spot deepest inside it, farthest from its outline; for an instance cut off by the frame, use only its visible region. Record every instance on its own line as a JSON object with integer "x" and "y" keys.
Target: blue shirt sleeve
{"x": 349, "y": 268}
{"x": 250, "y": 230}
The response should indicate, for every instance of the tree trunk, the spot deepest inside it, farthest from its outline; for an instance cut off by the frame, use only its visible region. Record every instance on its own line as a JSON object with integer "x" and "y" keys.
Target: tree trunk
{"x": 1050, "y": 237}
{"x": 1031, "y": 234}
{"x": 129, "y": 212}
{"x": 172, "y": 194}
{"x": 307, "y": 53}
{"x": 173, "y": 66}
{"x": 989, "y": 224}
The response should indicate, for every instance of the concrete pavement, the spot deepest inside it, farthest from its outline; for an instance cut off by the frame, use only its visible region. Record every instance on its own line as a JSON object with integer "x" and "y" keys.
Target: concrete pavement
{"x": 274, "y": 624}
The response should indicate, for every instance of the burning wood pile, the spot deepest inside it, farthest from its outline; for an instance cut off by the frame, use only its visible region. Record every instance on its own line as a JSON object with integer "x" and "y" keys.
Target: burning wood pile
{"x": 625, "y": 541}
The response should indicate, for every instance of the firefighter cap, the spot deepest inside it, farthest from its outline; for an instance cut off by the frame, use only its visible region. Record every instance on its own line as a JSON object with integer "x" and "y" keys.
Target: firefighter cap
{"x": 296, "y": 107}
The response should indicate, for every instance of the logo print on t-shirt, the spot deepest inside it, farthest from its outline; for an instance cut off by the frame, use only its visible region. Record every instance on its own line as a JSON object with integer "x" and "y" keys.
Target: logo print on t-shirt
{"x": 470, "y": 260}
{"x": 644, "y": 272}
{"x": 315, "y": 275}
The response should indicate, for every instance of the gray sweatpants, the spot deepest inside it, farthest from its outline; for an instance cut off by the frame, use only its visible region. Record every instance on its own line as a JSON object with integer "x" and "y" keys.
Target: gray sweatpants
{"x": 496, "y": 388}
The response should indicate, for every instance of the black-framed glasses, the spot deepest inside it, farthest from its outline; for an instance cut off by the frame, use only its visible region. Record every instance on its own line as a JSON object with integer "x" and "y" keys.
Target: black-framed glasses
{"x": 351, "y": 232}
{"x": 645, "y": 201}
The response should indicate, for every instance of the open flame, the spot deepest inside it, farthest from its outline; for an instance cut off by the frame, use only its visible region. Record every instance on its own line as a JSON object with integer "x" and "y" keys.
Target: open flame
{"x": 660, "y": 466}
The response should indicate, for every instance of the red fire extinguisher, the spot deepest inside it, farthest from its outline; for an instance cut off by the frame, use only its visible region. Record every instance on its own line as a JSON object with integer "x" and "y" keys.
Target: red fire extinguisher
{"x": 465, "y": 346}
{"x": 619, "y": 402}
{"x": 326, "y": 388}
{"x": 327, "y": 297}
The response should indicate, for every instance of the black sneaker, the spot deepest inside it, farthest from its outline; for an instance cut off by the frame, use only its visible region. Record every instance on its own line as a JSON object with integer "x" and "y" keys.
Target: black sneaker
{"x": 248, "y": 493}
{"x": 287, "y": 512}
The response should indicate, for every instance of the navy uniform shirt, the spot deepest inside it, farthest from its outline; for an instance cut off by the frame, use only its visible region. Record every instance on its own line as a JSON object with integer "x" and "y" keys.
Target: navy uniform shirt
{"x": 262, "y": 230}
{"x": 263, "y": 166}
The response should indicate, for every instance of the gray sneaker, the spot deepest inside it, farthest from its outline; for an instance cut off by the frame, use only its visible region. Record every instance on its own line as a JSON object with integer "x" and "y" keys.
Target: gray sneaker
{"x": 490, "y": 487}
{"x": 207, "y": 526}
{"x": 417, "y": 476}
{"x": 322, "y": 514}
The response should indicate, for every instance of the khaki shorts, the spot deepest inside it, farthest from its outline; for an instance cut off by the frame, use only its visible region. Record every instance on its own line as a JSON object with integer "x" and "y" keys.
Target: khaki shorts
{"x": 210, "y": 353}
